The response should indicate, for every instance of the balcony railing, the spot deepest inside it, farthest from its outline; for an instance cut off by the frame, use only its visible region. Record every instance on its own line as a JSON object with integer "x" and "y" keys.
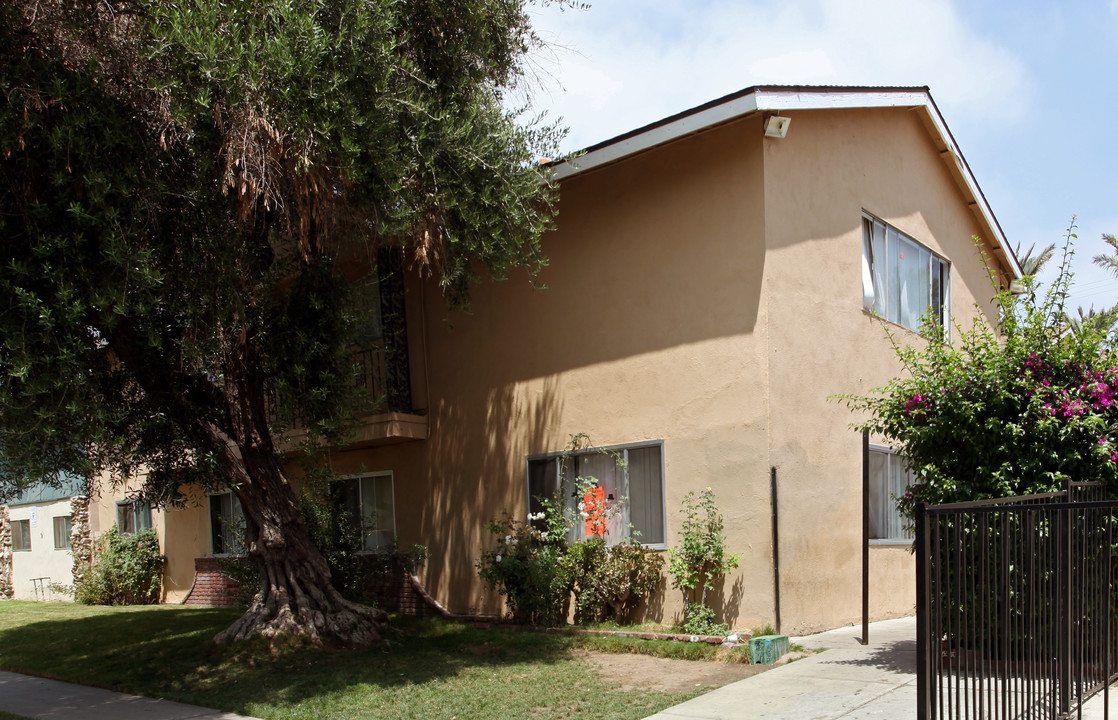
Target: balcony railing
{"x": 383, "y": 385}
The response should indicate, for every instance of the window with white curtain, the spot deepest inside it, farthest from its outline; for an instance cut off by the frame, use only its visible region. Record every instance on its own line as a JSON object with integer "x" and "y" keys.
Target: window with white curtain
{"x": 889, "y": 479}
{"x": 63, "y": 524}
{"x": 633, "y": 473}
{"x": 903, "y": 281}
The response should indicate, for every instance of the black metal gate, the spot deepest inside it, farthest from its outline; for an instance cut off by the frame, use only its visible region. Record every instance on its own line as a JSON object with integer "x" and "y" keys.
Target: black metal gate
{"x": 1016, "y": 606}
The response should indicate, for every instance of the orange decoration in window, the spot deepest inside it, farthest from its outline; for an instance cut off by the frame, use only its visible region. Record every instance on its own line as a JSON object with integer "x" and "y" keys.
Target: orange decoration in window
{"x": 595, "y": 504}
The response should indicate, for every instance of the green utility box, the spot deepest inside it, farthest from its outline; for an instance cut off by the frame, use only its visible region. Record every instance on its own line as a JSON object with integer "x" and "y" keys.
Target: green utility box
{"x": 767, "y": 649}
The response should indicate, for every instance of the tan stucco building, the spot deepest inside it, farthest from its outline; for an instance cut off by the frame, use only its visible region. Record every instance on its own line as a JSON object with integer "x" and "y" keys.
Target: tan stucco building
{"x": 705, "y": 301}
{"x": 712, "y": 285}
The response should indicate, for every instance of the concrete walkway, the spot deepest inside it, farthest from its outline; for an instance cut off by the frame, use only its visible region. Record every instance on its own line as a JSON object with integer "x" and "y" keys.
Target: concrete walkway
{"x": 40, "y": 698}
{"x": 848, "y": 680}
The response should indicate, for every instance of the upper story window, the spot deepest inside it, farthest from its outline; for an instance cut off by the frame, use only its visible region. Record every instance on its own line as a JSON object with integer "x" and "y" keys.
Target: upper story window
{"x": 903, "y": 281}
{"x": 133, "y": 517}
{"x": 638, "y": 478}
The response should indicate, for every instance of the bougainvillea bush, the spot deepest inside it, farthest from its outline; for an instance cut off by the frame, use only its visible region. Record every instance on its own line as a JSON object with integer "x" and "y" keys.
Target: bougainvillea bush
{"x": 1017, "y": 409}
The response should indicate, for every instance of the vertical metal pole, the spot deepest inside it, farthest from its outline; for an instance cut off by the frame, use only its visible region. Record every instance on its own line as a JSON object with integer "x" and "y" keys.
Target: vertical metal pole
{"x": 1063, "y": 610}
{"x": 923, "y": 696}
{"x": 1108, "y": 595}
{"x": 865, "y": 537}
{"x": 776, "y": 547}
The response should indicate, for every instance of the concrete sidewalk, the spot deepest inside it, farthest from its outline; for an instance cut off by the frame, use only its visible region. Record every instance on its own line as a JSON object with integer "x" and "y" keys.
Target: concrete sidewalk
{"x": 848, "y": 680}
{"x": 40, "y": 698}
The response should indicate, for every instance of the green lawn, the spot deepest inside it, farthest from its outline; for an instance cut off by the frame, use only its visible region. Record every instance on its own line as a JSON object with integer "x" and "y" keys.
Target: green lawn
{"x": 431, "y": 669}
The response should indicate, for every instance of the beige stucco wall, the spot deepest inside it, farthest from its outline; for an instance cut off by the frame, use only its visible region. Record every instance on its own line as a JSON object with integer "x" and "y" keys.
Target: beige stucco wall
{"x": 645, "y": 332}
{"x": 42, "y": 560}
{"x": 102, "y": 516}
{"x": 706, "y": 294}
{"x": 818, "y": 180}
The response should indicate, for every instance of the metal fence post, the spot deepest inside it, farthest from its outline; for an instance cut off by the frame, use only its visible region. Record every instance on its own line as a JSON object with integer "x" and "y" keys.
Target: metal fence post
{"x": 924, "y": 698}
{"x": 1063, "y": 610}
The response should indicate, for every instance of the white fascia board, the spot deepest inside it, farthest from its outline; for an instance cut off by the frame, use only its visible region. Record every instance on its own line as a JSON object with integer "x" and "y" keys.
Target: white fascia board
{"x": 657, "y": 136}
{"x": 777, "y": 100}
{"x": 771, "y": 100}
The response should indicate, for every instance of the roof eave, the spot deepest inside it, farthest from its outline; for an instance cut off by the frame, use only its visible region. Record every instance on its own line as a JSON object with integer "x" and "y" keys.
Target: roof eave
{"x": 785, "y": 98}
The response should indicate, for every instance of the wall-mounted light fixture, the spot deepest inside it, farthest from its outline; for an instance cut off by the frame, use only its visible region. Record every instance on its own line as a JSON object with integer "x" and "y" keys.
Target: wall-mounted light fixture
{"x": 777, "y": 126}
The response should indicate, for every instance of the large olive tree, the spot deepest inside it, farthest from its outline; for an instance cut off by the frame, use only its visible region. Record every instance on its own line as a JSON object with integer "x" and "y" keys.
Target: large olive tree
{"x": 180, "y": 185}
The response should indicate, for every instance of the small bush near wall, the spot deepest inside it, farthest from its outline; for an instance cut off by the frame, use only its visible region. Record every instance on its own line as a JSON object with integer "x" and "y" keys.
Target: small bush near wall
{"x": 699, "y": 560}
{"x": 534, "y": 573}
{"x": 610, "y": 582}
{"x": 126, "y": 570}
{"x": 537, "y": 572}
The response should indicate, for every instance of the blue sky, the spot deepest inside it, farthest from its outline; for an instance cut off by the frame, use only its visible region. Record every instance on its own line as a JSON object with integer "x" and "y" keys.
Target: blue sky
{"x": 1029, "y": 89}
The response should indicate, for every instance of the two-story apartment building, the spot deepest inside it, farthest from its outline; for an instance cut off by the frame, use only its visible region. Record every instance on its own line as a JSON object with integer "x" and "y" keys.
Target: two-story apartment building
{"x": 715, "y": 279}
{"x": 713, "y": 284}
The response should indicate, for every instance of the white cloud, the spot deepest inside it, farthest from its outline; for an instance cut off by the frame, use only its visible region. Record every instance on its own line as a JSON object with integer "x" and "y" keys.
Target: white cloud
{"x": 625, "y": 63}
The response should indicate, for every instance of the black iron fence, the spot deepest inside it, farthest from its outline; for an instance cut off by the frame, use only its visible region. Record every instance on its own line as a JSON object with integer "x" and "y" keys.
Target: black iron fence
{"x": 1016, "y": 609}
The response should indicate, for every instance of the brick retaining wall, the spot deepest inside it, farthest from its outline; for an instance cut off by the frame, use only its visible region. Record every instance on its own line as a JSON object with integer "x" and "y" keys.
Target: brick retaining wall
{"x": 212, "y": 587}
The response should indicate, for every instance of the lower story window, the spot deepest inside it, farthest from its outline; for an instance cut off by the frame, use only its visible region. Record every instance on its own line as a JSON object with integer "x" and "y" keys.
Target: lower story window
{"x": 633, "y": 473}
{"x": 227, "y": 525}
{"x": 890, "y": 479}
{"x": 21, "y": 535}
{"x": 62, "y": 526}
{"x": 368, "y": 501}
{"x": 133, "y": 517}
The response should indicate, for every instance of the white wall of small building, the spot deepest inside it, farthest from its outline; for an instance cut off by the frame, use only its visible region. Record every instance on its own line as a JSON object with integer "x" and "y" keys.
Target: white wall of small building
{"x": 42, "y": 560}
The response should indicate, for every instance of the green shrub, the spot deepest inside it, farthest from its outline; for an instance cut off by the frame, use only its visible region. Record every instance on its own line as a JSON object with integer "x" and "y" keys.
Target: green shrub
{"x": 351, "y": 568}
{"x": 537, "y": 571}
{"x": 535, "y": 574}
{"x": 610, "y": 582}
{"x": 126, "y": 570}
{"x": 700, "y": 559}
{"x": 1014, "y": 410}
{"x": 701, "y": 620}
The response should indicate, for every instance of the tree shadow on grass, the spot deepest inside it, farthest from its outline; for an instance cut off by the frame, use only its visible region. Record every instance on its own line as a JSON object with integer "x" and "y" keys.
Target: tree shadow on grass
{"x": 168, "y": 652}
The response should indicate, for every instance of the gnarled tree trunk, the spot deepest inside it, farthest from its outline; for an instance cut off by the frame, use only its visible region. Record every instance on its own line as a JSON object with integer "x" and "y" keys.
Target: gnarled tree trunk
{"x": 295, "y": 595}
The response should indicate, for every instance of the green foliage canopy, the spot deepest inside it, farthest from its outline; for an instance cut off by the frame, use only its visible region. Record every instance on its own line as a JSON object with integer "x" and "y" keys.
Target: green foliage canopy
{"x": 179, "y": 182}
{"x": 187, "y": 189}
{"x": 998, "y": 414}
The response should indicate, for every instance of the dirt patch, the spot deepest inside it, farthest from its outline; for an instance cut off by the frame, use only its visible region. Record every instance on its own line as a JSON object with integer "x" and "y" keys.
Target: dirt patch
{"x": 652, "y": 673}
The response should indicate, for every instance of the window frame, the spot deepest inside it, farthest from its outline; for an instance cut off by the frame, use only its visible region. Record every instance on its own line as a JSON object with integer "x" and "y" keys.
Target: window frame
{"x": 623, "y": 449}
{"x": 24, "y": 525}
{"x": 67, "y": 524}
{"x": 233, "y": 551}
{"x": 909, "y": 536}
{"x": 134, "y": 507}
{"x": 391, "y": 475}
{"x": 939, "y": 274}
